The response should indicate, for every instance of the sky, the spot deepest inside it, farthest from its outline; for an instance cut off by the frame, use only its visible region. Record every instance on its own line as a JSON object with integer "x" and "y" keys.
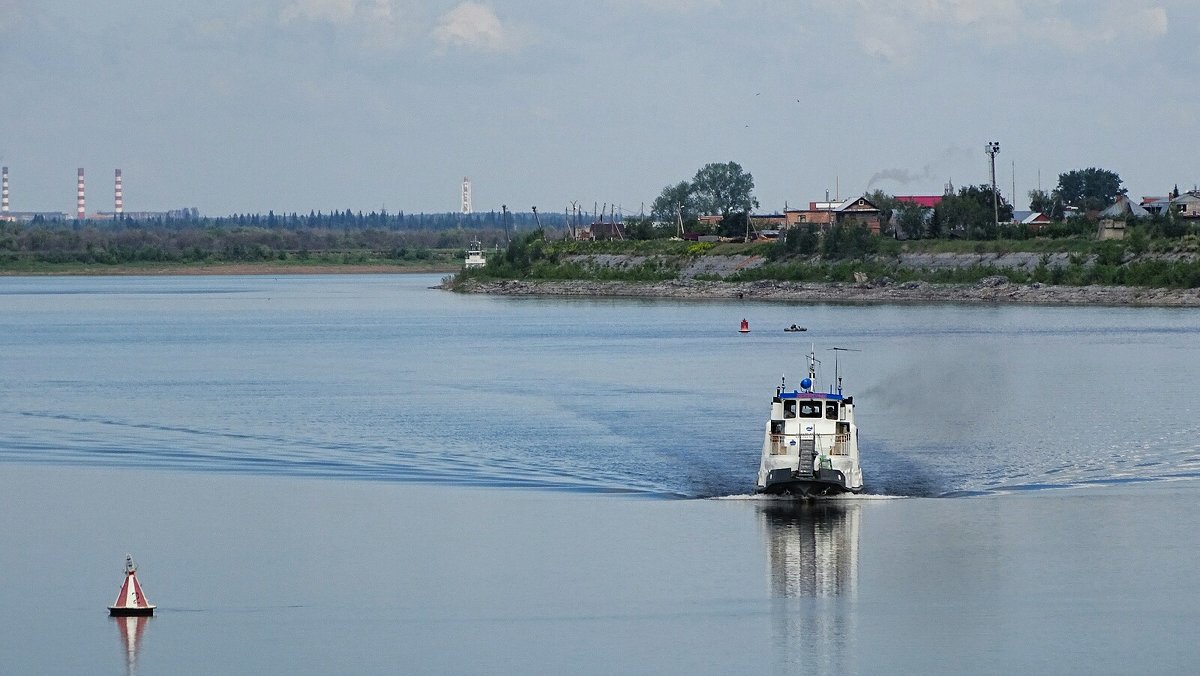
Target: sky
{"x": 241, "y": 106}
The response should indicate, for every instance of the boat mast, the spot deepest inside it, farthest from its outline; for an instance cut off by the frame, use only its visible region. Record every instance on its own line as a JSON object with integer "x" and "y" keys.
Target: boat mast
{"x": 812, "y": 365}
{"x": 836, "y": 377}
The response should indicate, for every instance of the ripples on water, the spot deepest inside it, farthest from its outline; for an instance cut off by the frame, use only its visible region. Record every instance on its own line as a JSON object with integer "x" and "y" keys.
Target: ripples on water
{"x": 381, "y": 378}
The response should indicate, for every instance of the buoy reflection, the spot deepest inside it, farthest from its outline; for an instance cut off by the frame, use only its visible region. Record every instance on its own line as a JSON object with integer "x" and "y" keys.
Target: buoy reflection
{"x": 131, "y": 628}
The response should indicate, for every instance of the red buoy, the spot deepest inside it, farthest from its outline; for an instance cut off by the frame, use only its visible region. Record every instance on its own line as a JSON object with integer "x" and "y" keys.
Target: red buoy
{"x": 131, "y": 600}
{"x": 745, "y": 327}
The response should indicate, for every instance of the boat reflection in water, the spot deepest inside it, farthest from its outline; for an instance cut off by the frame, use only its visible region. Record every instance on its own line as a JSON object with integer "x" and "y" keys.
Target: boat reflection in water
{"x": 812, "y": 554}
{"x": 131, "y": 628}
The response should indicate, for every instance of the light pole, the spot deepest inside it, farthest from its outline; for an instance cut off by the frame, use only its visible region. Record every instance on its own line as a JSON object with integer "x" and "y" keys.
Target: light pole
{"x": 992, "y": 149}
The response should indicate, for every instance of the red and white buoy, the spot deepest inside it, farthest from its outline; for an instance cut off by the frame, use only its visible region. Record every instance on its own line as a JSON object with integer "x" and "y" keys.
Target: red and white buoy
{"x": 131, "y": 600}
{"x": 745, "y": 327}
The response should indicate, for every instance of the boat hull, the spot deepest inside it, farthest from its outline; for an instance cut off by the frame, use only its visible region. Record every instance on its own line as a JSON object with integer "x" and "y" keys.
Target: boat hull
{"x": 824, "y": 483}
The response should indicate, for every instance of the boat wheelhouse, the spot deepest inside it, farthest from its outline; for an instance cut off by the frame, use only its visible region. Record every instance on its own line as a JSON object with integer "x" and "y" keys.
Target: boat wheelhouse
{"x": 475, "y": 257}
{"x": 810, "y": 445}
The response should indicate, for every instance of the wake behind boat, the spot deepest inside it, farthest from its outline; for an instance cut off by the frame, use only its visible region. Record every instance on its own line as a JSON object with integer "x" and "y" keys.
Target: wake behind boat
{"x": 810, "y": 447}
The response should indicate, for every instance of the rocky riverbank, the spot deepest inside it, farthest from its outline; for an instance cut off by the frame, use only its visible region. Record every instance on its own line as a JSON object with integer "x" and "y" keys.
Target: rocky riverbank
{"x": 991, "y": 290}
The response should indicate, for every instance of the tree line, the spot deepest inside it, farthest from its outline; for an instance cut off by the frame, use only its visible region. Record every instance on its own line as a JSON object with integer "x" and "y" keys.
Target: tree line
{"x": 88, "y": 243}
{"x": 317, "y": 220}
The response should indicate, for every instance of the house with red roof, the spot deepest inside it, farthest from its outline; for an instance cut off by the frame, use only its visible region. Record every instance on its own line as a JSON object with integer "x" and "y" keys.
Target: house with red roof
{"x": 924, "y": 201}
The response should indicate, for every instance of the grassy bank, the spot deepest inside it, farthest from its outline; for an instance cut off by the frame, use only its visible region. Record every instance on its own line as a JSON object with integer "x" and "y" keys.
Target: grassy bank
{"x": 1152, "y": 263}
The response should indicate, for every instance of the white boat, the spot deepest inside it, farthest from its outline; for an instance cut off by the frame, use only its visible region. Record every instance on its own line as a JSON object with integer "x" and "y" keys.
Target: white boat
{"x": 475, "y": 257}
{"x": 810, "y": 446}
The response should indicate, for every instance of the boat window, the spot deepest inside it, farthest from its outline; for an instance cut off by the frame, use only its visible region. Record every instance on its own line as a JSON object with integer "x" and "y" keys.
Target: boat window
{"x": 789, "y": 408}
{"x": 810, "y": 409}
{"x": 831, "y": 410}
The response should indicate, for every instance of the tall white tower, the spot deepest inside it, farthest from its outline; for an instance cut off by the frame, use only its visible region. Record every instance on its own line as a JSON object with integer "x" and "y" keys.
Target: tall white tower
{"x": 4, "y": 191}
{"x": 80, "y": 211}
{"x": 118, "y": 196}
{"x": 466, "y": 195}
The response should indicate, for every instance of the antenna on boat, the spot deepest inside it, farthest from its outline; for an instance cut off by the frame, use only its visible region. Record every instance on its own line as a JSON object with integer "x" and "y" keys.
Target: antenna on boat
{"x": 812, "y": 368}
{"x": 836, "y": 377}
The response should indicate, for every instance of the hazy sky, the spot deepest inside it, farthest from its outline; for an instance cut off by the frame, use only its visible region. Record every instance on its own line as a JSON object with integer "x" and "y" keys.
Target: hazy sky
{"x": 291, "y": 105}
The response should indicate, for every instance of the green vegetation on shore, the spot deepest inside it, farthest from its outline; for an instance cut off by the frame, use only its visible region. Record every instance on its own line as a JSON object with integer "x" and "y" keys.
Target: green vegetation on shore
{"x": 63, "y": 249}
{"x": 852, "y": 254}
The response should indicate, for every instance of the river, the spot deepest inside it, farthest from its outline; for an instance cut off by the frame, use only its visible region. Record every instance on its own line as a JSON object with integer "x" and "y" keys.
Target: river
{"x": 365, "y": 474}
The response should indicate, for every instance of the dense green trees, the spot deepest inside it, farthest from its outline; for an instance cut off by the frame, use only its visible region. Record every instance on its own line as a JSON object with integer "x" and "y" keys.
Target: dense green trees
{"x": 971, "y": 213}
{"x": 910, "y": 220}
{"x": 797, "y": 241}
{"x": 674, "y": 202}
{"x": 116, "y": 244}
{"x": 724, "y": 189}
{"x": 717, "y": 189}
{"x": 1089, "y": 189}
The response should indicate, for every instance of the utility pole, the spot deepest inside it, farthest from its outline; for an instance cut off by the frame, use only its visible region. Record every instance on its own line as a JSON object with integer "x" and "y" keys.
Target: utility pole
{"x": 992, "y": 149}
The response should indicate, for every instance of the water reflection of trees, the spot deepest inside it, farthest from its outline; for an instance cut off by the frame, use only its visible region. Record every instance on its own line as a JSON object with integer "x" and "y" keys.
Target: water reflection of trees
{"x": 812, "y": 558}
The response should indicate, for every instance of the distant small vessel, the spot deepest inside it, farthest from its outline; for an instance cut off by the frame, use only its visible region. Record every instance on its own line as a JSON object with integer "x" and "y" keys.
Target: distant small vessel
{"x": 745, "y": 327}
{"x": 475, "y": 257}
{"x": 810, "y": 446}
{"x": 131, "y": 600}
{"x": 793, "y": 328}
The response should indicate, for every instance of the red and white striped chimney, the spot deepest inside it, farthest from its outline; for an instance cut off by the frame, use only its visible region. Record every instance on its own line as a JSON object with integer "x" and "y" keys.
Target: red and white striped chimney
{"x": 4, "y": 192}
{"x": 118, "y": 199}
{"x": 80, "y": 211}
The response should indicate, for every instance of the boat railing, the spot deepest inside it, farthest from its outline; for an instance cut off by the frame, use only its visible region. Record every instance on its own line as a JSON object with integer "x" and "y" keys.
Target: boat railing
{"x": 829, "y": 444}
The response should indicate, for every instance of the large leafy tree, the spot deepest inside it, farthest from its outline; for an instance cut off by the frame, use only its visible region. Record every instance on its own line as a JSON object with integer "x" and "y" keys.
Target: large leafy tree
{"x": 675, "y": 197}
{"x": 723, "y": 188}
{"x": 1090, "y": 188}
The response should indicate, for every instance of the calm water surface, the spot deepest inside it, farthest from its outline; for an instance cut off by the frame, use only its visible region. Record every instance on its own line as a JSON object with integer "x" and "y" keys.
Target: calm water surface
{"x": 363, "y": 474}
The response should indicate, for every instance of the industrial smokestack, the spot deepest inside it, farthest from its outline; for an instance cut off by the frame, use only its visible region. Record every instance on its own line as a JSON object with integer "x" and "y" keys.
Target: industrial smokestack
{"x": 4, "y": 192}
{"x": 80, "y": 211}
{"x": 118, "y": 199}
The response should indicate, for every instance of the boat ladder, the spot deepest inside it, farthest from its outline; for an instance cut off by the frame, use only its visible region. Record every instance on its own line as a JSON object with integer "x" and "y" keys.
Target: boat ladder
{"x": 808, "y": 449}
